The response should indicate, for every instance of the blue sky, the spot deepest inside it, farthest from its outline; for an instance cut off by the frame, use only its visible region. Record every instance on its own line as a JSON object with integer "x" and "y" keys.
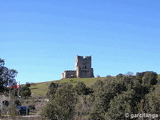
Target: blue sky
{"x": 41, "y": 38}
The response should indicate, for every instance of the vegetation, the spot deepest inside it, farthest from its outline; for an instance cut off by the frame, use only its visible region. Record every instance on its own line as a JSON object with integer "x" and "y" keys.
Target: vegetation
{"x": 62, "y": 103}
{"x": 7, "y": 76}
{"x": 25, "y": 91}
{"x": 40, "y": 89}
{"x": 107, "y": 99}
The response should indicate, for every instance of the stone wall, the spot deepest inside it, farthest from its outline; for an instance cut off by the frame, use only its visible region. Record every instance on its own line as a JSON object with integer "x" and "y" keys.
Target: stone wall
{"x": 83, "y": 68}
{"x": 69, "y": 74}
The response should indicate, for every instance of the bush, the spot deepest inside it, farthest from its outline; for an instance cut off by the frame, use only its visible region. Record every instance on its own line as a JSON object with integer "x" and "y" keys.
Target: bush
{"x": 25, "y": 92}
{"x": 17, "y": 103}
{"x": 80, "y": 88}
{"x": 32, "y": 107}
{"x": 52, "y": 89}
{"x": 27, "y": 84}
{"x": 62, "y": 105}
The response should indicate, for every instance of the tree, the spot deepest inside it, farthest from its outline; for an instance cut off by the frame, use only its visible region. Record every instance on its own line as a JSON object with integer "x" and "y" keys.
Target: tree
{"x": 7, "y": 76}
{"x": 121, "y": 104}
{"x": 129, "y": 73}
{"x": 27, "y": 84}
{"x": 80, "y": 88}
{"x": 152, "y": 101}
{"x": 62, "y": 105}
{"x": 1, "y": 72}
{"x": 104, "y": 92}
{"x": 52, "y": 89}
{"x": 120, "y": 75}
{"x": 25, "y": 91}
{"x": 149, "y": 78}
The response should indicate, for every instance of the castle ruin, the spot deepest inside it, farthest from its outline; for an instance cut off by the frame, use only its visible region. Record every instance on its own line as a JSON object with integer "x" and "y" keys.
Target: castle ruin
{"x": 83, "y": 69}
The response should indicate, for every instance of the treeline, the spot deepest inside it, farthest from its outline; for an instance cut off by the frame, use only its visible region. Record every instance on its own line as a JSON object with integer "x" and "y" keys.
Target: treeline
{"x": 114, "y": 98}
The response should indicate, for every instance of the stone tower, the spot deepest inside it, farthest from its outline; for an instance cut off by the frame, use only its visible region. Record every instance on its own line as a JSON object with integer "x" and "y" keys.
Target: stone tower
{"x": 83, "y": 68}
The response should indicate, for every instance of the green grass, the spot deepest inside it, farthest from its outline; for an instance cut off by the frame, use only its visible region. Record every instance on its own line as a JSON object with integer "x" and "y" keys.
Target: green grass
{"x": 40, "y": 89}
{"x": 74, "y": 81}
{"x": 158, "y": 76}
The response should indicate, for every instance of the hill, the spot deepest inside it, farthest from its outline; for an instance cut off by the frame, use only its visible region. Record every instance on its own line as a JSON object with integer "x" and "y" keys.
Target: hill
{"x": 40, "y": 89}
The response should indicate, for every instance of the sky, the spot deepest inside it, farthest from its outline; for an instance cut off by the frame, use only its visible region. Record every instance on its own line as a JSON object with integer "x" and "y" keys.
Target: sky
{"x": 41, "y": 38}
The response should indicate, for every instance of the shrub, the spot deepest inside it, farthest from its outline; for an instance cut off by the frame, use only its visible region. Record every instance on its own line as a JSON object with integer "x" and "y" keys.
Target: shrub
{"x": 80, "y": 88}
{"x": 25, "y": 92}
{"x": 62, "y": 105}
{"x": 32, "y": 107}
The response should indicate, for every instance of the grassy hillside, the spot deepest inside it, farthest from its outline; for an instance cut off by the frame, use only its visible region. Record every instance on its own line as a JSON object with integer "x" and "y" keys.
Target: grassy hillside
{"x": 40, "y": 89}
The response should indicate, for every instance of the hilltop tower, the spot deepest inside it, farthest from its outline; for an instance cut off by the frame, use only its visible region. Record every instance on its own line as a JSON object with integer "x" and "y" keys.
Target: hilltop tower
{"x": 82, "y": 68}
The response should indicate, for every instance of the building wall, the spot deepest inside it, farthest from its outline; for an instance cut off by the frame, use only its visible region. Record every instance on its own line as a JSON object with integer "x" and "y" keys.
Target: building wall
{"x": 84, "y": 63}
{"x": 69, "y": 74}
{"x": 83, "y": 68}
